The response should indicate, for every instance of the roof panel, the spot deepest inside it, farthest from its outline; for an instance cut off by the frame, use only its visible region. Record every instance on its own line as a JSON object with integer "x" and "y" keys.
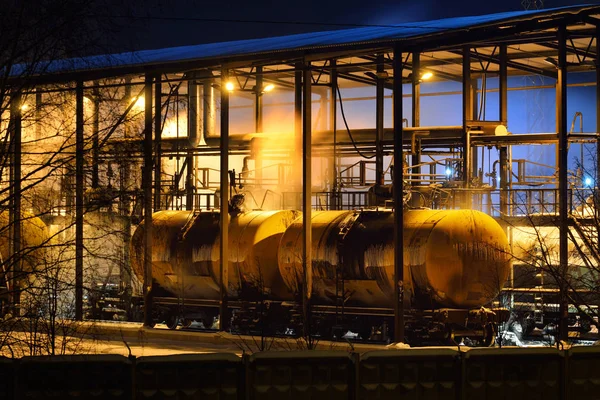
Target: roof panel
{"x": 312, "y": 40}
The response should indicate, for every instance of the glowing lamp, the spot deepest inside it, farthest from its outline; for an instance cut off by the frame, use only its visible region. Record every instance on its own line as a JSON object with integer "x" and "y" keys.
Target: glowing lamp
{"x": 426, "y": 75}
{"x": 229, "y": 86}
{"x": 588, "y": 181}
{"x": 24, "y": 107}
{"x": 138, "y": 103}
{"x": 268, "y": 88}
{"x": 448, "y": 172}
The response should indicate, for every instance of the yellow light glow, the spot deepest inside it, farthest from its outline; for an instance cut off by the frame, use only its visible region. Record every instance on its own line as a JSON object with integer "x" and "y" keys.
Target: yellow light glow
{"x": 426, "y": 75}
{"x": 229, "y": 86}
{"x": 139, "y": 103}
{"x": 24, "y": 107}
{"x": 268, "y": 88}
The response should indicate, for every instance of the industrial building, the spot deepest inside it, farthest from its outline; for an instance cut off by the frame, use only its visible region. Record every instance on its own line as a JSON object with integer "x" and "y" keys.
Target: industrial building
{"x": 318, "y": 146}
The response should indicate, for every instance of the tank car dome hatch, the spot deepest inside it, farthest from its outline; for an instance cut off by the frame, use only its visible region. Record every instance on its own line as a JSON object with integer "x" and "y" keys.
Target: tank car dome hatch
{"x": 185, "y": 253}
{"x": 453, "y": 258}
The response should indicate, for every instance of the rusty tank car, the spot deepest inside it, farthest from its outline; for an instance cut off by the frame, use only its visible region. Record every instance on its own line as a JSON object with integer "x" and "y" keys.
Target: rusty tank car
{"x": 455, "y": 263}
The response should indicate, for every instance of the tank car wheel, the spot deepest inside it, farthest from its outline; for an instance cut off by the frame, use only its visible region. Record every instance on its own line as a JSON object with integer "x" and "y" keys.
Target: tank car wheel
{"x": 172, "y": 321}
{"x": 489, "y": 335}
{"x": 186, "y": 323}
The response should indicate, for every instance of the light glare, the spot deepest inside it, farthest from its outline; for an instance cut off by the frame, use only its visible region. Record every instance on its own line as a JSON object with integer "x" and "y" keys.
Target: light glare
{"x": 426, "y": 75}
{"x": 269, "y": 87}
{"x": 588, "y": 181}
{"x": 229, "y": 86}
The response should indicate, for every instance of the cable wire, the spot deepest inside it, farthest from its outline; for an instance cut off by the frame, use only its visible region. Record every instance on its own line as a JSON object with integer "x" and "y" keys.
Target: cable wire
{"x": 347, "y": 128}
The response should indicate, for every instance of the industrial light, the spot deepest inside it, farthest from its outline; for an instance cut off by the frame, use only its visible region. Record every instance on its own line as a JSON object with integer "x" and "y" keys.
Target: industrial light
{"x": 229, "y": 86}
{"x": 24, "y": 107}
{"x": 448, "y": 172}
{"x": 268, "y": 88}
{"x": 588, "y": 181}
{"x": 138, "y": 103}
{"x": 426, "y": 75}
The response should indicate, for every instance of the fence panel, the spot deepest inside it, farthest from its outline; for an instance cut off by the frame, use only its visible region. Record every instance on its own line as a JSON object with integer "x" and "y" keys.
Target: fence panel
{"x": 583, "y": 373}
{"x": 513, "y": 374}
{"x": 75, "y": 377}
{"x": 190, "y": 376}
{"x": 329, "y": 375}
{"x": 410, "y": 374}
{"x": 7, "y": 378}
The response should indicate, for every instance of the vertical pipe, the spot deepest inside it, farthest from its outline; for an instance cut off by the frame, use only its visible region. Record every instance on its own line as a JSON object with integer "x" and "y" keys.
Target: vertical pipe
{"x": 95, "y": 138}
{"x": 416, "y": 113}
{"x": 15, "y": 210}
{"x": 258, "y": 109}
{"x": 147, "y": 184}
{"x": 467, "y": 115}
{"x": 503, "y": 113}
{"x": 208, "y": 109}
{"x": 398, "y": 200}
{"x": 561, "y": 118}
{"x": 379, "y": 112}
{"x": 224, "y": 214}
{"x": 306, "y": 197}
{"x": 79, "y": 181}
{"x": 333, "y": 119}
{"x": 157, "y": 141}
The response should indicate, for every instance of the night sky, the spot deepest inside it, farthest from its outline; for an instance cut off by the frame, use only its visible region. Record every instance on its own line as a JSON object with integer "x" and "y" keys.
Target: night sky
{"x": 162, "y": 23}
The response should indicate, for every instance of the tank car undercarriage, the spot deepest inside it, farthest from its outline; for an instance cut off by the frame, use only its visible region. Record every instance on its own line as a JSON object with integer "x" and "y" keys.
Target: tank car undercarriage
{"x": 444, "y": 326}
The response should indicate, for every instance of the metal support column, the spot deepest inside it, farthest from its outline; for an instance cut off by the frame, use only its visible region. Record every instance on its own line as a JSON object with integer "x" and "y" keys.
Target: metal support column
{"x": 15, "y": 203}
{"x": 561, "y": 119}
{"x": 597, "y": 174}
{"x": 297, "y": 158}
{"x": 306, "y": 197}
{"x": 258, "y": 119}
{"x": 503, "y": 112}
{"x": 95, "y": 138}
{"x": 194, "y": 140}
{"x": 416, "y": 112}
{"x": 333, "y": 118}
{"x": 467, "y": 115}
{"x": 379, "y": 113}
{"x": 398, "y": 200}
{"x": 157, "y": 141}
{"x": 224, "y": 213}
{"x": 79, "y": 181}
{"x": 147, "y": 185}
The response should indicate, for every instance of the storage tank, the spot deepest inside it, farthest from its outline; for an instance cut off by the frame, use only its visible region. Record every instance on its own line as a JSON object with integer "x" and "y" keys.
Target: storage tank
{"x": 452, "y": 258}
{"x": 186, "y": 246}
{"x": 34, "y": 235}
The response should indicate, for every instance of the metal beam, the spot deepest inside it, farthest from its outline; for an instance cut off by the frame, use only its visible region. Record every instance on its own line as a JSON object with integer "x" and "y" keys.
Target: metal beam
{"x": 398, "y": 200}
{"x": 147, "y": 184}
{"x": 95, "y": 138}
{"x": 416, "y": 110}
{"x": 224, "y": 207}
{"x": 379, "y": 116}
{"x": 503, "y": 113}
{"x": 15, "y": 202}
{"x": 79, "y": 182}
{"x": 467, "y": 115}
{"x": 563, "y": 149}
{"x": 306, "y": 198}
{"x": 157, "y": 142}
{"x": 333, "y": 118}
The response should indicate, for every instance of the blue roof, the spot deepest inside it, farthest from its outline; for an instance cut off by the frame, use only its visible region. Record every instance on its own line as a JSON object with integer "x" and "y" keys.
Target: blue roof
{"x": 305, "y": 41}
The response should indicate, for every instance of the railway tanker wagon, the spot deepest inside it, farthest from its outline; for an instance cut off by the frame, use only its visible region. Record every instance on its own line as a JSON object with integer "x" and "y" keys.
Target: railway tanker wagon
{"x": 455, "y": 263}
{"x": 186, "y": 262}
